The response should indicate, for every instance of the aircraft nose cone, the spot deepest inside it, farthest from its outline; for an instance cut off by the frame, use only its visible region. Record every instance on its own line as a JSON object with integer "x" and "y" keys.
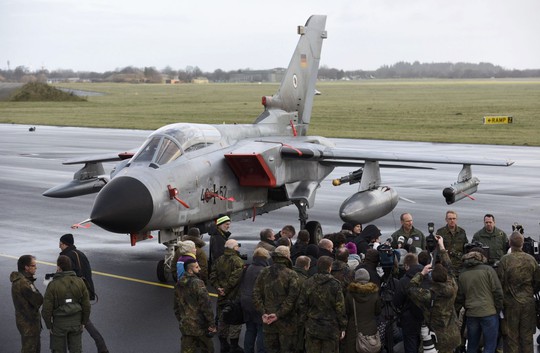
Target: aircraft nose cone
{"x": 124, "y": 205}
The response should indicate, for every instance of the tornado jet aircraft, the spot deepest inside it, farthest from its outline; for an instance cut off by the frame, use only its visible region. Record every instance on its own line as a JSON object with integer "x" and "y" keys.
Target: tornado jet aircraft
{"x": 185, "y": 174}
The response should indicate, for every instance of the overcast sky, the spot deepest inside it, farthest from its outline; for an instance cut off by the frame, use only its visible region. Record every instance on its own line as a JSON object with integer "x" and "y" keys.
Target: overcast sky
{"x": 103, "y": 35}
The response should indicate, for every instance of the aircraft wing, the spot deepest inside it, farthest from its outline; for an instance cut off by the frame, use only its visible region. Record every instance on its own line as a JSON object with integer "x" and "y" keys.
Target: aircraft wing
{"x": 332, "y": 155}
{"x": 108, "y": 157}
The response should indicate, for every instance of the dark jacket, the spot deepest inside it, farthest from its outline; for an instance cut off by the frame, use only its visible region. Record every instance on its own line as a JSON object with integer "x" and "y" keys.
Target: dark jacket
{"x": 81, "y": 267}
{"x": 202, "y": 259}
{"x": 368, "y": 306}
{"x": 298, "y": 249}
{"x": 66, "y": 301}
{"x": 217, "y": 244}
{"x": 246, "y": 289}
{"x": 192, "y": 306}
{"x": 411, "y": 315}
{"x": 27, "y": 300}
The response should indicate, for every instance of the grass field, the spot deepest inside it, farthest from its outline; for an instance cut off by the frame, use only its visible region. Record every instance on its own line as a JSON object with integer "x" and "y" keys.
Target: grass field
{"x": 419, "y": 110}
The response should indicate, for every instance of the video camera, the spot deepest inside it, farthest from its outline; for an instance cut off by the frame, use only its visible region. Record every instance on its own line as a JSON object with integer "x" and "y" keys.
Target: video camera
{"x": 476, "y": 244}
{"x": 431, "y": 241}
{"x": 530, "y": 246}
{"x": 387, "y": 255}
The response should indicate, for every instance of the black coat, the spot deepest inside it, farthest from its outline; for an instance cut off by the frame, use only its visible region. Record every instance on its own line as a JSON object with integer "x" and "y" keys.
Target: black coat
{"x": 81, "y": 266}
{"x": 411, "y": 315}
{"x": 246, "y": 289}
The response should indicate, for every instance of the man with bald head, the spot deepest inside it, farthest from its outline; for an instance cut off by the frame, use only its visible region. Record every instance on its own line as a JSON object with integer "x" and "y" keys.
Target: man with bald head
{"x": 225, "y": 277}
{"x": 520, "y": 279}
{"x": 411, "y": 235}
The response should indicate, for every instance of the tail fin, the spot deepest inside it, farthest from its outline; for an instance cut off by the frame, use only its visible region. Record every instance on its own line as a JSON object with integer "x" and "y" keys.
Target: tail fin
{"x": 297, "y": 89}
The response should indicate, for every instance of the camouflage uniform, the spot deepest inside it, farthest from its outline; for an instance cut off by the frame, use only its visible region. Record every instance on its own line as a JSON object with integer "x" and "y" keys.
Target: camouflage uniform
{"x": 193, "y": 310}
{"x": 496, "y": 240}
{"x": 276, "y": 292}
{"x": 226, "y": 273}
{"x": 323, "y": 310}
{"x": 27, "y": 300}
{"x": 437, "y": 304}
{"x": 343, "y": 273}
{"x": 520, "y": 279}
{"x": 454, "y": 242}
{"x": 66, "y": 307}
{"x": 300, "y": 329}
{"x": 419, "y": 240}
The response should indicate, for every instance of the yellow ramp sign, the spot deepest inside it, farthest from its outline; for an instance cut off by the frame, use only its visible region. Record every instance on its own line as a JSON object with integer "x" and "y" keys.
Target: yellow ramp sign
{"x": 497, "y": 119}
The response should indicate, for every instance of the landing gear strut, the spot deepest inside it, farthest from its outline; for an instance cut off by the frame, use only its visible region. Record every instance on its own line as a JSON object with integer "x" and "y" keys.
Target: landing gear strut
{"x": 313, "y": 227}
{"x": 169, "y": 238}
{"x": 164, "y": 266}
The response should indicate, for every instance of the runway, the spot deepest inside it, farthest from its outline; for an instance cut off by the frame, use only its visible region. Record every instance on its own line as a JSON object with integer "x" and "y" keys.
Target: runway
{"x": 134, "y": 312}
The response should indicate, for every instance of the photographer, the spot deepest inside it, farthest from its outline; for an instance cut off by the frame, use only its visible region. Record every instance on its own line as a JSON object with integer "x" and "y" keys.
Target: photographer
{"x": 437, "y": 302}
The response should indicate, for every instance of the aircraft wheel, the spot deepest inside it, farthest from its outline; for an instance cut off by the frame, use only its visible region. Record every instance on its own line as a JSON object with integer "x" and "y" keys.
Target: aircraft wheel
{"x": 315, "y": 232}
{"x": 161, "y": 275}
{"x": 538, "y": 340}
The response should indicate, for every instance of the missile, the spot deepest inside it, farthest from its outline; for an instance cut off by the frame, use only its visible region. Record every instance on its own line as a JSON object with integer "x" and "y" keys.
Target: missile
{"x": 460, "y": 190}
{"x": 368, "y": 205}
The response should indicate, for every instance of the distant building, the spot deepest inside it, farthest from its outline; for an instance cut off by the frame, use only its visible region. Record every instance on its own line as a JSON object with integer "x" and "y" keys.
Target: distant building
{"x": 274, "y": 75}
{"x": 199, "y": 80}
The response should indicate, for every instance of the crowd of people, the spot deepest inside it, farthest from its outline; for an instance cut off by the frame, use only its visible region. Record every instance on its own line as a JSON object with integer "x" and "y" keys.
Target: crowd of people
{"x": 301, "y": 297}
{"x": 351, "y": 292}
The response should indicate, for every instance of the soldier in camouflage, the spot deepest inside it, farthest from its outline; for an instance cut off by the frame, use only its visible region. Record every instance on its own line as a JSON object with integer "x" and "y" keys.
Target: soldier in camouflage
{"x": 193, "y": 310}
{"x": 27, "y": 300}
{"x": 437, "y": 301}
{"x": 520, "y": 279}
{"x": 323, "y": 309}
{"x": 493, "y": 237}
{"x": 66, "y": 308}
{"x": 275, "y": 295}
{"x": 455, "y": 239}
{"x": 225, "y": 277}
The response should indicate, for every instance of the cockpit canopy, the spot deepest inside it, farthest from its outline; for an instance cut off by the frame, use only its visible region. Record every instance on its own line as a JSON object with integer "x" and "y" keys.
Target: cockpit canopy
{"x": 170, "y": 142}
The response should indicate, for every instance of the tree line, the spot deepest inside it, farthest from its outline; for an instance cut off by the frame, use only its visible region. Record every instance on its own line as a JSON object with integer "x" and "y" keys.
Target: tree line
{"x": 401, "y": 69}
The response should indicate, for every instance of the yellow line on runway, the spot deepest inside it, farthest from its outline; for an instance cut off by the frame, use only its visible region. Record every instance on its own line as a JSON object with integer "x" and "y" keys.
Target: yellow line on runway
{"x": 109, "y": 275}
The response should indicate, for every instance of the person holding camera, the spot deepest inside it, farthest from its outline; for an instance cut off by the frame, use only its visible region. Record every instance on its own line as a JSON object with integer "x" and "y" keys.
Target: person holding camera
{"x": 193, "y": 310}
{"x": 437, "y": 301}
{"x": 226, "y": 276}
{"x": 455, "y": 239}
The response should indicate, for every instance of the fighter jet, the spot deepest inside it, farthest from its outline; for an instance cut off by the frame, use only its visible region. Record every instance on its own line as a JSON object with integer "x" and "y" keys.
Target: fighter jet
{"x": 185, "y": 175}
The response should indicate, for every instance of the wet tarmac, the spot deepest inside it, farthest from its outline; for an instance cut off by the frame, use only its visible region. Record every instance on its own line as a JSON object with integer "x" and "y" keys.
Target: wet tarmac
{"x": 134, "y": 312}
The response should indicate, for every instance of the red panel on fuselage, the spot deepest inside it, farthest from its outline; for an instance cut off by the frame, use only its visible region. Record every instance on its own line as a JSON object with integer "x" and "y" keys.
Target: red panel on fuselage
{"x": 251, "y": 170}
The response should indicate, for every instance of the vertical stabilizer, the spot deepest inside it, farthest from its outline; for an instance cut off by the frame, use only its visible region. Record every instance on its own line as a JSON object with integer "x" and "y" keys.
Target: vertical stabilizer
{"x": 297, "y": 89}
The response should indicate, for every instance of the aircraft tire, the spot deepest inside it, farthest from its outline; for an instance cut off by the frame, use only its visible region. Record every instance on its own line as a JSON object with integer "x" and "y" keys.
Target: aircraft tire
{"x": 160, "y": 271}
{"x": 315, "y": 232}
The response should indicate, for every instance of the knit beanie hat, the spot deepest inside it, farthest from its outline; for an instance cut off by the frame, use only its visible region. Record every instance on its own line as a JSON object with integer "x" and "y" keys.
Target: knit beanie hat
{"x": 67, "y": 239}
{"x": 361, "y": 275}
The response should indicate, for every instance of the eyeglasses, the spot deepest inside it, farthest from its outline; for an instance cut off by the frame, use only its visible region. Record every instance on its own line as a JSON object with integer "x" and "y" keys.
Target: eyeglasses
{"x": 32, "y": 265}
